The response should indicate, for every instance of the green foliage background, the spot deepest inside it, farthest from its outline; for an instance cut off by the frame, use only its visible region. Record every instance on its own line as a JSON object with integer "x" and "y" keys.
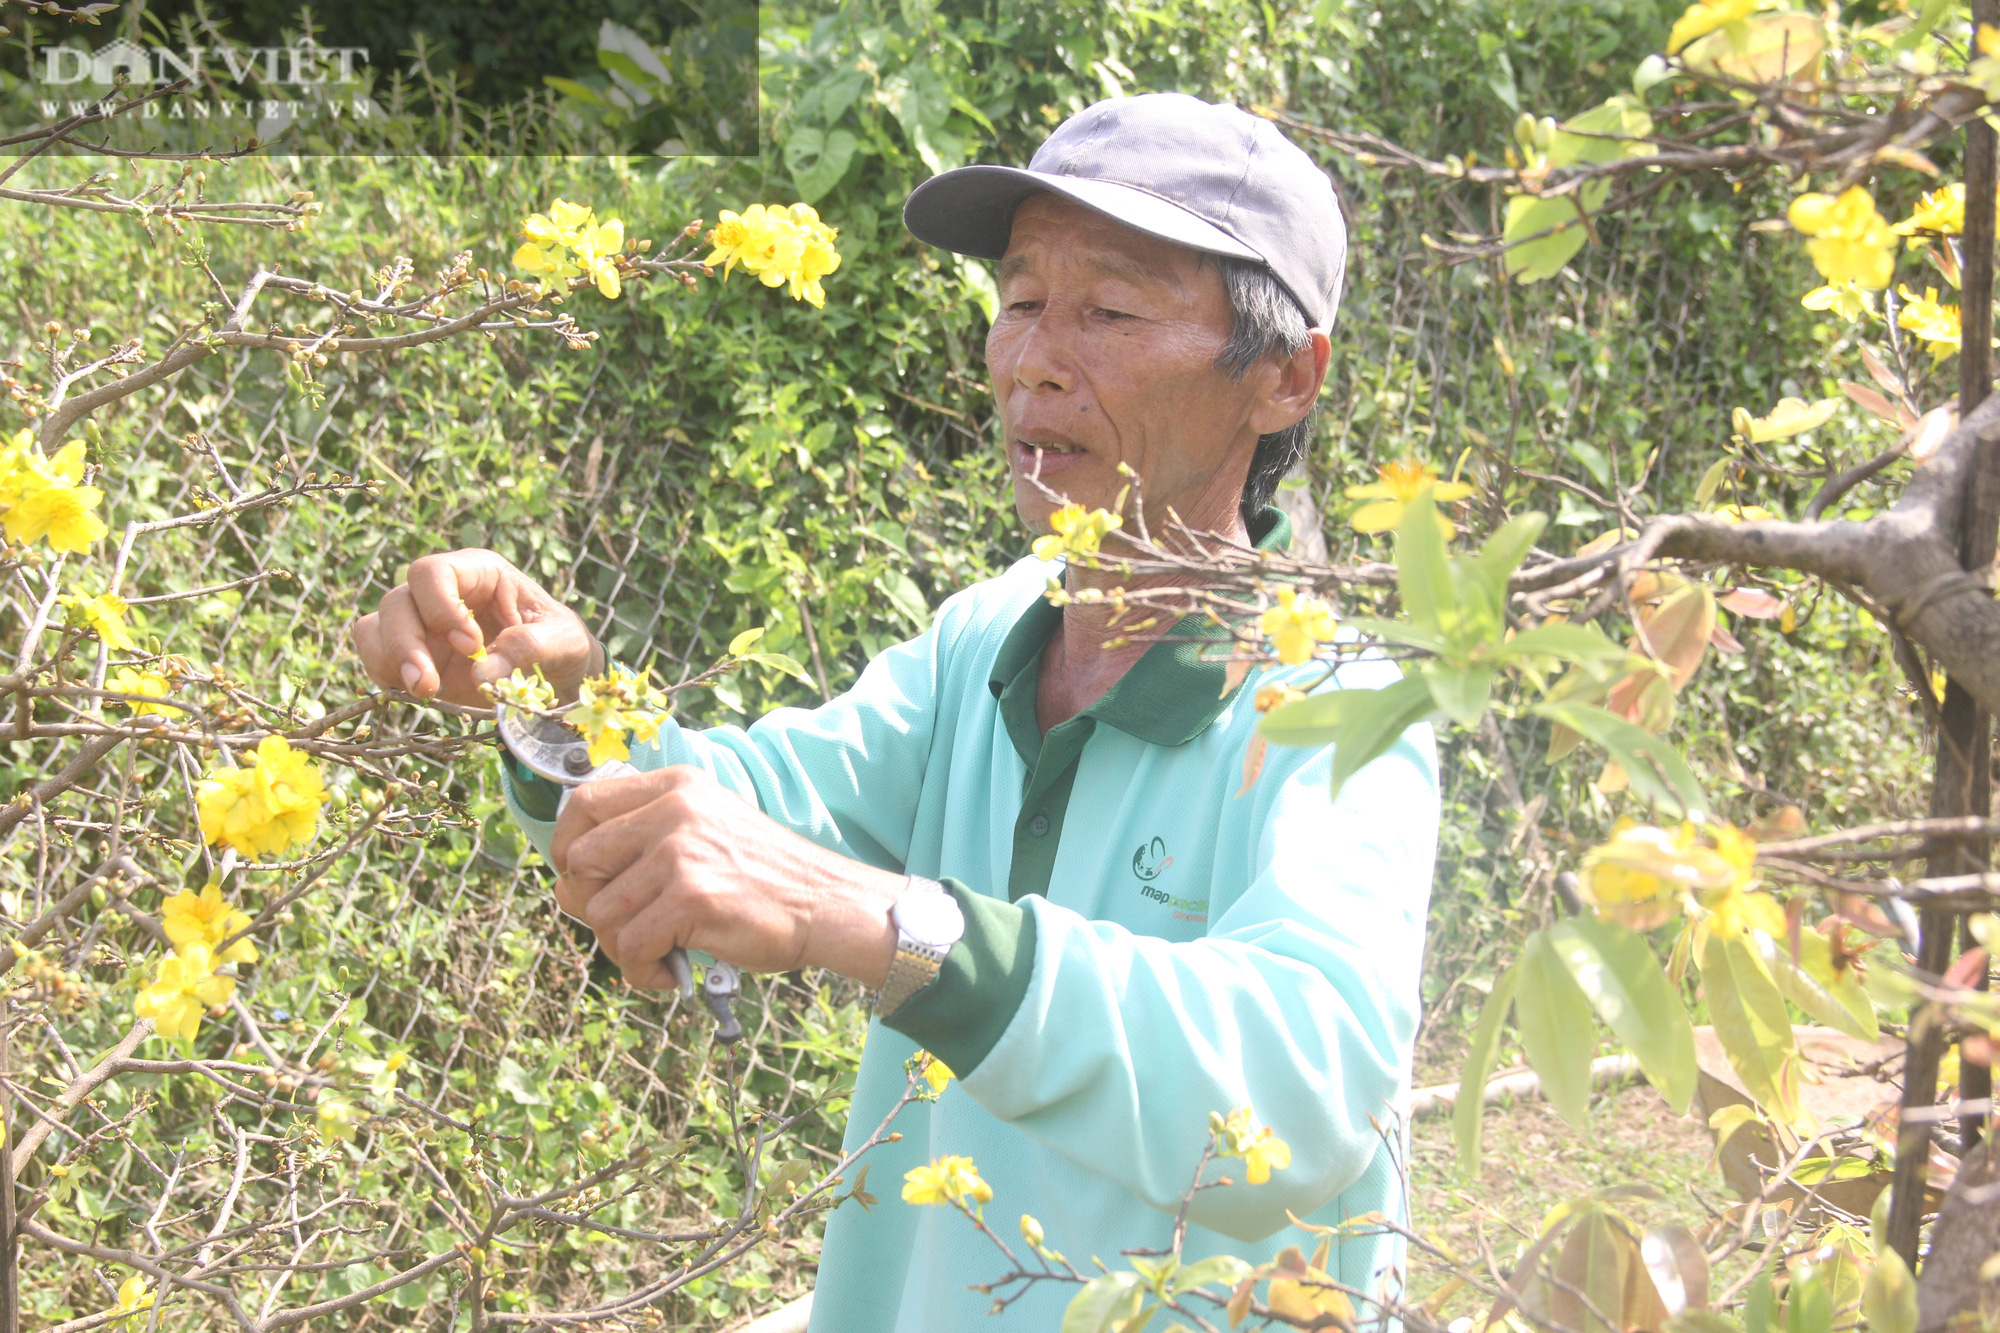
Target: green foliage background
{"x": 728, "y": 458}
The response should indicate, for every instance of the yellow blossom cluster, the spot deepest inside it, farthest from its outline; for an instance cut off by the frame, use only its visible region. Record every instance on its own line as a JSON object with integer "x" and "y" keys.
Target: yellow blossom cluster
{"x": 146, "y": 682}
{"x": 569, "y": 242}
{"x": 932, "y": 1070}
{"x": 104, "y": 614}
{"x": 1076, "y": 531}
{"x": 1851, "y": 245}
{"x": 609, "y": 708}
{"x": 134, "y": 1295}
{"x": 1260, "y": 1148}
{"x": 1298, "y": 624}
{"x": 1645, "y": 876}
{"x": 1936, "y": 324}
{"x": 185, "y": 985}
{"x": 779, "y": 245}
{"x": 188, "y": 981}
{"x": 1400, "y": 486}
{"x": 269, "y": 804}
{"x": 950, "y": 1180}
{"x": 45, "y": 497}
{"x": 204, "y": 918}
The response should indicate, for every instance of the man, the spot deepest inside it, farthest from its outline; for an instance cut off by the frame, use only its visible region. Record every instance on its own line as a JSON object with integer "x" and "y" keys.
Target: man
{"x": 1121, "y": 944}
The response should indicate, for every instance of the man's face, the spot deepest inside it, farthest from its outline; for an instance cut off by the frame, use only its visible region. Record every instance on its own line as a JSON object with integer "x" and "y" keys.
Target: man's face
{"x": 1103, "y": 352}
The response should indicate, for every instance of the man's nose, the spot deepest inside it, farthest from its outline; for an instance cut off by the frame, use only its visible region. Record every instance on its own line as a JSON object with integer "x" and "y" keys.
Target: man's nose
{"x": 1042, "y": 357}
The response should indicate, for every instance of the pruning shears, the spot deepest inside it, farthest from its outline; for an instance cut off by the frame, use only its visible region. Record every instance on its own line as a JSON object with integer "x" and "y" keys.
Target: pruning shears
{"x": 557, "y": 752}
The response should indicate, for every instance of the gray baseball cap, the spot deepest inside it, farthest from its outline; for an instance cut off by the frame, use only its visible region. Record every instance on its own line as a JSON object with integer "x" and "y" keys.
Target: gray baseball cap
{"x": 1212, "y": 178}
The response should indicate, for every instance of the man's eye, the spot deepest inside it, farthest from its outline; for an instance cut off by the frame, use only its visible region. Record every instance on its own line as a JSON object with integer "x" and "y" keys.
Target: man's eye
{"x": 1024, "y": 307}
{"x": 1115, "y": 314}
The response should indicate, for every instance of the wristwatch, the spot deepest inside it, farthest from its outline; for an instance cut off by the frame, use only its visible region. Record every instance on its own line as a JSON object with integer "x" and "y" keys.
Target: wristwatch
{"x": 928, "y": 922}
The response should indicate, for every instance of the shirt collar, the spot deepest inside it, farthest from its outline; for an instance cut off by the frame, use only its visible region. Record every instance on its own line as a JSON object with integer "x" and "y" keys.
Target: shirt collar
{"x": 1170, "y": 695}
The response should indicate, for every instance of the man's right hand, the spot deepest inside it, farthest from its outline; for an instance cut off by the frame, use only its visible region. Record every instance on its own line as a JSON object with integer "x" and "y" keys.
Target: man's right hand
{"x": 422, "y": 638}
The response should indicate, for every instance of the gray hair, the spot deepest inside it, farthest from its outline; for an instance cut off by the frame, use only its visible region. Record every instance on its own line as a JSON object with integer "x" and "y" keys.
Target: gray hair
{"x": 1264, "y": 321}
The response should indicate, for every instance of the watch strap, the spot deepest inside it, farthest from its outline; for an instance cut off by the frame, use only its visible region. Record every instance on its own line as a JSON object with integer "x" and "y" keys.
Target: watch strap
{"x": 916, "y": 964}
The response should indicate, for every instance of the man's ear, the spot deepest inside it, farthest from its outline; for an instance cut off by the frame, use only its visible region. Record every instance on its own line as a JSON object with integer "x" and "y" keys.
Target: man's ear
{"x": 1290, "y": 385}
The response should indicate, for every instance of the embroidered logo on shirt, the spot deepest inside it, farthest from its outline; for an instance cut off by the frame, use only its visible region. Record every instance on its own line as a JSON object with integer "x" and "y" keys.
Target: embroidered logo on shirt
{"x": 1151, "y": 860}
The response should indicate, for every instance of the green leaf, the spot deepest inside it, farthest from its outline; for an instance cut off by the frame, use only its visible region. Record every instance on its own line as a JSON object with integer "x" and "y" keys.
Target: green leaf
{"x": 1808, "y": 1304}
{"x": 571, "y": 88}
{"x": 1842, "y": 983}
{"x": 513, "y": 1080}
{"x": 1103, "y": 1303}
{"x": 1423, "y": 568}
{"x": 1504, "y": 551}
{"x": 1217, "y": 1270}
{"x": 741, "y": 643}
{"x": 817, "y": 159}
{"x": 904, "y": 595}
{"x": 1470, "y": 1103}
{"x": 1760, "y": 1302}
{"x": 1369, "y": 732}
{"x": 1889, "y": 1299}
{"x": 1751, "y": 1022}
{"x": 1657, "y": 772}
{"x": 1622, "y": 978}
{"x": 1805, "y": 991}
{"x": 1701, "y": 1321}
{"x": 779, "y": 662}
{"x": 1570, "y": 643}
{"x": 1556, "y": 1030}
{"x": 1395, "y": 631}
{"x": 1462, "y": 692}
{"x": 1710, "y": 480}
{"x": 1527, "y": 214}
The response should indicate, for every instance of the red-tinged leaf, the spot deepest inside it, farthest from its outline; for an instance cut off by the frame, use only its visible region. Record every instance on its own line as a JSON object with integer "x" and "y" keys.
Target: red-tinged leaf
{"x": 1233, "y": 674}
{"x": 1931, "y": 431}
{"x": 1238, "y": 1308}
{"x": 1881, "y": 374}
{"x": 1752, "y": 602}
{"x": 1874, "y": 402}
{"x": 1724, "y": 641}
{"x": 1253, "y": 764}
{"x": 1785, "y": 822}
{"x": 1645, "y": 699}
{"x": 1863, "y": 914}
{"x": 1677, "y": 631}
{"x": 1966, "y": 970}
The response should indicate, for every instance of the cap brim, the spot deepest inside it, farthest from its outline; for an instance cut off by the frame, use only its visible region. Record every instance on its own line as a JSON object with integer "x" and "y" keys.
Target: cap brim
{"x": 970, "y": 211}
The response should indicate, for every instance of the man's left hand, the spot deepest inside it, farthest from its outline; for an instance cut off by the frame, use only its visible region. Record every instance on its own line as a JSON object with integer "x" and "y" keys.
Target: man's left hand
{"x": 673, "y": 859}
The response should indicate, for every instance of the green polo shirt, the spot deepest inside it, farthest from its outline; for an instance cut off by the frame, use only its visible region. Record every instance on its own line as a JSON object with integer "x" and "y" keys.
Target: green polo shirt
{"x": 1146, "y": 944}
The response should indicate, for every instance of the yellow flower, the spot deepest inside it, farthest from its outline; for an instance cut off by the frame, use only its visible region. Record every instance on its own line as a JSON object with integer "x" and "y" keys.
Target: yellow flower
{"x": 1941, "y": 212}
{"x": 1297, "y": 624}
{"x": 204, "y": 919}
{"x": 607, "y": 708}
{"x": 936, "y": 1072}
{"x": 569, "y": 242}
{"x": 270, "y": 804}
{"x": 945, "y": 1180}
{"x": 337, "y": 1121}
{"x": 1851, "y": 242}
{"x": 1843, "y": 299}
{"x": 1640, "y": 878}
{"x": 42, "y": 497}
{"x": 185, "y": 985}
{"x": 1260, "y": 1149}
{"x": 1705, "y": 16}
{"x": 1987, "y": 39}
{"x": 133, "y": 1296}
{"x": 780, "y": 245}
{"x": 104, "y": 613}
{"x": 1792, "y": 416}
{"x": 1077, "y": 532}
{"x": 1308, "y": 1295}
{"x": 1400, "y": 486}
{"x": 1936, "y": 324}
{"x": 140, "y": 681}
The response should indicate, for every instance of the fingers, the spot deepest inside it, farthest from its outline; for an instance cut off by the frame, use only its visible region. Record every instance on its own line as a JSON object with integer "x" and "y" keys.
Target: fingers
{"x": 449, "y": 590}
{"x": 558, "y": 644}
{"x": 596, "y": 804}
{"x": 404, "y": 659}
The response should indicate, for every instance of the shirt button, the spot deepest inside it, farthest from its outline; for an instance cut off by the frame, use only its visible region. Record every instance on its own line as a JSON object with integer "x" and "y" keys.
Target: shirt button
{"x": 1039, "y": 826}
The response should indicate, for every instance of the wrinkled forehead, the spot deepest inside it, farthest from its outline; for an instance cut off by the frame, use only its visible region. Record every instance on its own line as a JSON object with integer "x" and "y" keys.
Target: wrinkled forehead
{"x": 1052, "y": 234}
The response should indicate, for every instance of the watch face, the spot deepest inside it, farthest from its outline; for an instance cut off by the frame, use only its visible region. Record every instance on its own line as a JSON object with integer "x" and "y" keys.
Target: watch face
{"x": 931, "y": 919}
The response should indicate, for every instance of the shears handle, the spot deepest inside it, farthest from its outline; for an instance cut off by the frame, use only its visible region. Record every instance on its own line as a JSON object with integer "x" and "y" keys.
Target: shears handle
{"x": 722, "y": 983}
